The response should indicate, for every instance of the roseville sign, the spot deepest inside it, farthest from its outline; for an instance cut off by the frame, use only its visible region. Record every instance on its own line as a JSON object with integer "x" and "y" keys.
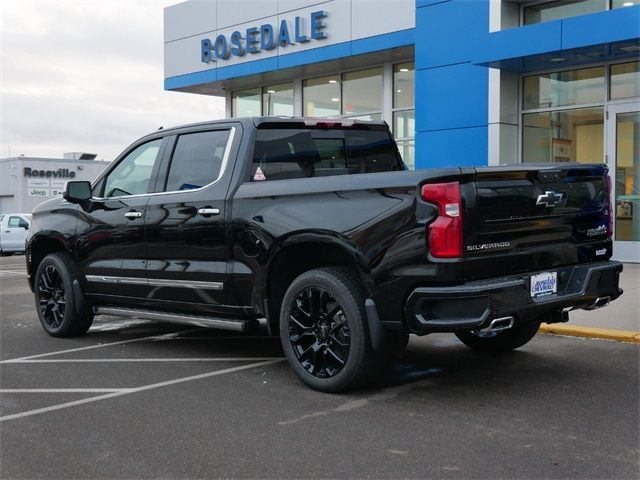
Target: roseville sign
{"x": 59, "y": 173}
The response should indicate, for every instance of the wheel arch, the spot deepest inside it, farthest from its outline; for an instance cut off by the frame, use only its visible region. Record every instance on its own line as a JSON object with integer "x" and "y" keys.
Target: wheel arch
{"x": 39, "y": 247}
{"x": 303, "y": 253}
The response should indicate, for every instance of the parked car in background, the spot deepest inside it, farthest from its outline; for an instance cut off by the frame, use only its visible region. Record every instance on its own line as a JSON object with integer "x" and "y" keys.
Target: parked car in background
{"x": 13, "y": 232}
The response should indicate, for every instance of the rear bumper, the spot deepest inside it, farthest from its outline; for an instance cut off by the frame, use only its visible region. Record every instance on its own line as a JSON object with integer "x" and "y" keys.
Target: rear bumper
{"x": 473, "y": 305}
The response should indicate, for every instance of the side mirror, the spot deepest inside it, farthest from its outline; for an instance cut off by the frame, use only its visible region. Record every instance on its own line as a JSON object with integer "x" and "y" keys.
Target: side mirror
{"x": 23, "y": 224}
{"x": 77, "y": 191}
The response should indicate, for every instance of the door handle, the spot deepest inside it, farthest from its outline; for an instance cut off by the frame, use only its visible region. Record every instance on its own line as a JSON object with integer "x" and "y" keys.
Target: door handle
{"x": 132, "y": 215}
{"x": 208, "y": 211}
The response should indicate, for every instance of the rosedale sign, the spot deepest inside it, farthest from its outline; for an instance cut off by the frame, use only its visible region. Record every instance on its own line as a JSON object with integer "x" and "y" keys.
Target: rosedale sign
{"x": 267, "y": 37}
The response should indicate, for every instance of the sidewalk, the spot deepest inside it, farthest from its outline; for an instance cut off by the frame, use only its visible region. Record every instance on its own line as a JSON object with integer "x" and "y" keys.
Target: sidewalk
{"x": 621, "y": 314}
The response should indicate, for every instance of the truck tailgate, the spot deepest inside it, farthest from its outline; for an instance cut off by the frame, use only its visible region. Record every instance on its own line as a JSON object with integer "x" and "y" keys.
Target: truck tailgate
{"x": 527, "y": 218}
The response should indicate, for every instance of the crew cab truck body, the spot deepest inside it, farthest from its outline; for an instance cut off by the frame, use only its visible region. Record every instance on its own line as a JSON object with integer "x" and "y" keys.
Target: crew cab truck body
{"x": 317, "y": 227}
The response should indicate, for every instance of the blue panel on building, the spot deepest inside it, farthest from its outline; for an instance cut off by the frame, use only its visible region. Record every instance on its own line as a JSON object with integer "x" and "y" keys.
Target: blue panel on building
{"x": 452, "y": 148}
{"x": 604, "y": 27}
{"x": 453, "y": 96}
{"x": 578, "y": 40}
{"x": 449, "y": 32}
{"x": 321, "y": 54}
{"x": 519, "y": 42}
{"x": 250, "y": 68}
{"x": 382, "y": 42}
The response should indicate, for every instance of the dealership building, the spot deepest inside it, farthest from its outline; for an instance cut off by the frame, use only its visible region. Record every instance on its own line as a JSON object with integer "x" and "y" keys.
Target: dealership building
{"x": 460, "y": 82}
{"x": 27, "y": 181}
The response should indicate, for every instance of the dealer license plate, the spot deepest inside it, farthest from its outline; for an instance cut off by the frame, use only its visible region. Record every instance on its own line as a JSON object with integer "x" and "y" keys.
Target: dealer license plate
{"x": 544, "y": 284}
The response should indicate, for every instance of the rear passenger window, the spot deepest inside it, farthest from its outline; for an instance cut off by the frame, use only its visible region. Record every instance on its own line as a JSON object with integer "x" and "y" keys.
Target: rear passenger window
{"x": 197, "y": 160}
{"x": 287, "y": 153}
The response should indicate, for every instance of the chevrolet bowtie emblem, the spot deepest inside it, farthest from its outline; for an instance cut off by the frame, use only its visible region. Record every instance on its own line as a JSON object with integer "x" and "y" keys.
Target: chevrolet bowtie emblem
{"x": 549, "y": 199}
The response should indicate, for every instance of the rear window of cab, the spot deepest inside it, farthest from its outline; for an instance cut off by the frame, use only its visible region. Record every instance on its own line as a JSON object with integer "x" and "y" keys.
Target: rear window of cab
{"x": 289, "y": 153}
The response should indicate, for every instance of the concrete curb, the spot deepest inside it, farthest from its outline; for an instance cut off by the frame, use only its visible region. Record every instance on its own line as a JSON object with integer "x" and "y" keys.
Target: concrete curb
{"x": 591, "y": 332}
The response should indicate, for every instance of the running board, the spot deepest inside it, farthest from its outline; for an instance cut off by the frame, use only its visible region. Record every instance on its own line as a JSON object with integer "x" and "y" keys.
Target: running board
{"x": 181, "y": 318}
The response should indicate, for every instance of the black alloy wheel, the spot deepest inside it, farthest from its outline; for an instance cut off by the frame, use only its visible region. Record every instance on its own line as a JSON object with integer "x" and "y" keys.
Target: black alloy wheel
{"x": 62, "y": 309}
{"x": 319, "y": 332}
{"x": 51, "y": 296}
{"x": 324, "y": 330}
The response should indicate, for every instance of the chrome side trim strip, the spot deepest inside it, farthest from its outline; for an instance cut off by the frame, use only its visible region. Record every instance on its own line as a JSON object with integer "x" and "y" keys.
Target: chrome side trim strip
{"x": 186, "y": 284}
{"x": 118, "y": 280}
{"x": 198, "y": 320}
{"x": 155, "y": 282}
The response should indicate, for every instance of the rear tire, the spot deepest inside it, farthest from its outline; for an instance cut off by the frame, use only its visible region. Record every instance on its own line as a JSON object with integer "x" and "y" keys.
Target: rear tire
{"x": 501, "y": 342}
{"x": 61, "y": 312}
{"x": 324, "y": 331}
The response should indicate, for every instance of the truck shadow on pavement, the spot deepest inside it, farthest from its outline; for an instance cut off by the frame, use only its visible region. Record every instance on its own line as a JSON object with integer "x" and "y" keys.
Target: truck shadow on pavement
{"x": 566, "y": 364}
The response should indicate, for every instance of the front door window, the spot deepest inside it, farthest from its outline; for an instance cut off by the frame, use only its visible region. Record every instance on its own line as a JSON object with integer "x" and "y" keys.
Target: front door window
{"x": 132, "y": 175}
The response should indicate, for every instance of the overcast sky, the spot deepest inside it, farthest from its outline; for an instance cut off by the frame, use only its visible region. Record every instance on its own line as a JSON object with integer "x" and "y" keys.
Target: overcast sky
{"x": 86, "y": 75}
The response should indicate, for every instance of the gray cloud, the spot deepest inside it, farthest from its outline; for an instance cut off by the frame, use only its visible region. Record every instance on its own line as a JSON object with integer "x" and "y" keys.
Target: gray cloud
{"x": 86, "y": 76}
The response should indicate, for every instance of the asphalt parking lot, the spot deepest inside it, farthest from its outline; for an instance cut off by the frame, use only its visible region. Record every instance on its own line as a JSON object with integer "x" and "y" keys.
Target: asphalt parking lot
{"x": 137, "y": 399}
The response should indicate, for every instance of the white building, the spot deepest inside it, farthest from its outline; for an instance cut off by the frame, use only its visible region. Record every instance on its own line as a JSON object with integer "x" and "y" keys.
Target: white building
{"x": 27, "y": 181}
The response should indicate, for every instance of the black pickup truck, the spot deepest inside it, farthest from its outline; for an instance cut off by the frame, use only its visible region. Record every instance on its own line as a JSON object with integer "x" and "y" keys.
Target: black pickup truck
{"x": 316, "y": 228}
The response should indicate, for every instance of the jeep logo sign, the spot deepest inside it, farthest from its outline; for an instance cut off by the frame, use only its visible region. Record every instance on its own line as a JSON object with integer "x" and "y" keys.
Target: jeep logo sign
{"x": 60, "y": 173}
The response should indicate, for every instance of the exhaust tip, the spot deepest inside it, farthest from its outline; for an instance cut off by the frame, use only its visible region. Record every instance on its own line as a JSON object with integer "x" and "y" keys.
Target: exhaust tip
{"x": 497, "y": 325}
{"x": 600, "y": 302}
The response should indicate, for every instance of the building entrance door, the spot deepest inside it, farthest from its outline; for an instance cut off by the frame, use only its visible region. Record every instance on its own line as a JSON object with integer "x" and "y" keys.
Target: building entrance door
{"x": 623, "y": 154}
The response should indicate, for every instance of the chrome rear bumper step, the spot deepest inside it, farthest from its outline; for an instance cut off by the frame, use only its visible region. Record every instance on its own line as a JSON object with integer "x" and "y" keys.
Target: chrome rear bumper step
{"x": 180, "y": 318}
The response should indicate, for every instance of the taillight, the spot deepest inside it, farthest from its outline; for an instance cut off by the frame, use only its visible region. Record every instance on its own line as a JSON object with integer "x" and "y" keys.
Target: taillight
{"x": 445, "y": 233}
{"x": 610, "y": 206}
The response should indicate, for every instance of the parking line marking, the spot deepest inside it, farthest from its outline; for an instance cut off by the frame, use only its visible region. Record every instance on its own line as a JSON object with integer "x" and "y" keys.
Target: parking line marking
{"x": 89, "y": 347}
{"x": 62, "y": 390}
{"x": 116, "y": 360}
{"x": 151, "y": 386}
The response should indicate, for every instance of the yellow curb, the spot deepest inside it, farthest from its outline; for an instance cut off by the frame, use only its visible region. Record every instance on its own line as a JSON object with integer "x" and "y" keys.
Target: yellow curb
{"x": 591, "y": 332}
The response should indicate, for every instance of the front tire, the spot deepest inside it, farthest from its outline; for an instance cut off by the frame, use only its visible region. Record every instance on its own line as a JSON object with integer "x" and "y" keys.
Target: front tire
{"x": 61, "y": 312}
{"x": 500, "y": 342}
{"x": 324, "y": 331}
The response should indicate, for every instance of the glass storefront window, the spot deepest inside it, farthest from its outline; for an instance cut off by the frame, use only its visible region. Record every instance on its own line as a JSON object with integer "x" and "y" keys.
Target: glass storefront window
{"x": 564, "y": 136}
{"x": 404, "y": 85}
{"x": 404, "y": 115}
{"x": 627, "y": 177}
{"x": 559, "y": 89}
{"x": 362, "y": 91}
{"x": 407, "y": 150}
{"x": 625, "y": 80}
{"x": 368, "y": 116}
{"x": 321, "y": 96}
{"x": 624, "y": 3}
{"x": 404, "y": 124}
{"x": 278, "y": 100}
{"x": 556, "y": 10}
{"x": 246, "y": 103}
